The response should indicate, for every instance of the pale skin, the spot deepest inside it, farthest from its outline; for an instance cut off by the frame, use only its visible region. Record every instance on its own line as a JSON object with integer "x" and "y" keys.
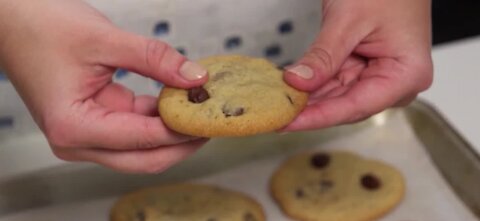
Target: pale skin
{"x": 61, "y": 55}
{"x": 369, "y": 55}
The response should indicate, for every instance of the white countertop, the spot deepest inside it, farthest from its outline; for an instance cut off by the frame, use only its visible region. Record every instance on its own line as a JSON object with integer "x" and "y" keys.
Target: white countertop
{"x": 455, "y": 91}
{"x": 457, "y": 74}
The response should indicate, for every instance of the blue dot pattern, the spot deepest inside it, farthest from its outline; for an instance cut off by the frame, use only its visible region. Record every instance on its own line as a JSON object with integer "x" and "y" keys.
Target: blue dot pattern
{"x": 285, "y": 27}
{"x": 121, "y": 73}
{"x": 273, "y": 51}
{"x": 3, "y": 76}
{"x": 233, "y": 42}
{"x": 161, "y": 28}
{"x": 6, "y": 122}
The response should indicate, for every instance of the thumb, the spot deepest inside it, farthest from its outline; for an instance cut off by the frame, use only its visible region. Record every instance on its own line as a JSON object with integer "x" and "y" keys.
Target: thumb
{"x": 154, "y": 59}
{"x": 333, "y": 45}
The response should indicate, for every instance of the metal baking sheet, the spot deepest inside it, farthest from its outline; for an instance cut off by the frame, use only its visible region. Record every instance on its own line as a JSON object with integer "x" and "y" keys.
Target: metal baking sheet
{"x": 442, "y": 171}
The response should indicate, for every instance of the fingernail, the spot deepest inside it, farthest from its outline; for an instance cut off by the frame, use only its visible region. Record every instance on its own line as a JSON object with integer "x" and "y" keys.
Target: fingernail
{"x": 192, "y": 71}
{"x": 302, "y": 71}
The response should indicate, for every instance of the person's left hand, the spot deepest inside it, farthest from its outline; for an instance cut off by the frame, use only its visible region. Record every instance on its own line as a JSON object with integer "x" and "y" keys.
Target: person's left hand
{"x": 369, "y": 55}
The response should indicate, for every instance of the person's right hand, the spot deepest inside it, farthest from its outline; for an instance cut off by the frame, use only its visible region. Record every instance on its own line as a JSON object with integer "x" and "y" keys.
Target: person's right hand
{"x": 61, "y": 55}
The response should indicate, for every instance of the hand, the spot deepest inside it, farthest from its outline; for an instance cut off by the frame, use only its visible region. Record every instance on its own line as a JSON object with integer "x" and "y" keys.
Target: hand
{"x": 368, "y": 56}
{"x": 61, "y": 55}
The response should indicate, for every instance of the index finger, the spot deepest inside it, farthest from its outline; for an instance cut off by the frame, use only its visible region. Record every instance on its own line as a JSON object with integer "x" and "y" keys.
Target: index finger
{"x": 368, "y": 96}
{"x": 103, "y": 128}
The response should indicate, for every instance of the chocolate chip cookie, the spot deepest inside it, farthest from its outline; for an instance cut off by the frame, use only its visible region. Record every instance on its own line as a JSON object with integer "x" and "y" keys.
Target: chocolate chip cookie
{"x": 243, "y": 96}
{"x": 336, "y": 186}
{"x": 186, "y": 202}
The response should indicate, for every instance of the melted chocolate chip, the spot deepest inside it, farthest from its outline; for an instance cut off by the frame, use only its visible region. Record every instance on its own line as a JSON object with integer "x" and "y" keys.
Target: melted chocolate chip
{"x": 299, "y": 193}
{"x": 370, "y": 182}
{"x": 140, "y": 216}
{"x": 249, "y": 217}
{"x": 325, "y": 185}
{"x": 289, "y": 99}
{"x": 198, "y": 95}
{"x": 232, "y": 112}
{"x": 320, "y": 160}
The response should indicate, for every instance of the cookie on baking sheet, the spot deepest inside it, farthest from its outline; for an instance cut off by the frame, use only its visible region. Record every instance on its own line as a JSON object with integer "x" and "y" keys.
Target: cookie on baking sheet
{"x": 243, "y": 96}
{"x": 336, "y": 186}
{"x": 186, "y": 202}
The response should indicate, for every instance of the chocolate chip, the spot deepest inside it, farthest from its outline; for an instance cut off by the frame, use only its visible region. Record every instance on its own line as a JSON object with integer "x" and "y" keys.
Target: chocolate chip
{"x": 198, "y": 95}
{"x": 370, "y": 182}
{"x": 232, "y": 112}
{"x": 289, "y": 99}
{"x": 249, "y": 217}
{"x": 211, "y": 219}
{"x": 299, "y": 193}
{"x": 325, "y": 185}
{"x": 140, "y": 216}
{"x": 320, "y": 160}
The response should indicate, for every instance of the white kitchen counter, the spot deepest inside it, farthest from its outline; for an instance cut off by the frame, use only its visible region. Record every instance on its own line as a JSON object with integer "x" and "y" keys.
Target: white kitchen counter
{"x": 457, "y": 74}
{"x": 455, "y": 91}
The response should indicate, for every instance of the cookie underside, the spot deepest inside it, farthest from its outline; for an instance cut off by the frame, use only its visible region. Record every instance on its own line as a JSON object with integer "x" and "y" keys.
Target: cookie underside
{"x": 247, "y": 96}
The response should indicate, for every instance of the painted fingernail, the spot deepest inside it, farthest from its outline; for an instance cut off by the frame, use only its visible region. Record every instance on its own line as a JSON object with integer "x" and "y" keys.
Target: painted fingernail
{"x": 192, "y": 71}
{"x": 302, "y": 71}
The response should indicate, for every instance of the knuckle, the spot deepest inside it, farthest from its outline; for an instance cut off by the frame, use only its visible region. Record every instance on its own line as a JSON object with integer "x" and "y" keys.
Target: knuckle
{"x": 147, "y": 138}
{"x": 424, "y": 75}
{"x": 144, "y": 142}
{"x": 322, "y": 57}
{"x": 154, "y": 52}
{"x": 405, "y": 102}
{"x": 426, "y": 81}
